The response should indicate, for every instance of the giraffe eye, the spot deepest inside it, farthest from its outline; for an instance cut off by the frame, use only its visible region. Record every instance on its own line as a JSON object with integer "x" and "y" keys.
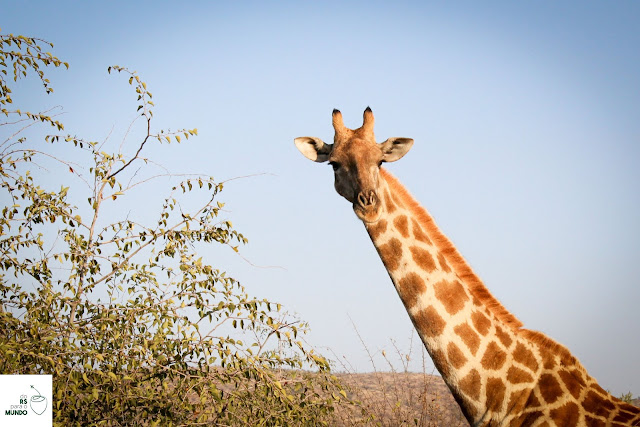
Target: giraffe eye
{"x": 334, "y": 165}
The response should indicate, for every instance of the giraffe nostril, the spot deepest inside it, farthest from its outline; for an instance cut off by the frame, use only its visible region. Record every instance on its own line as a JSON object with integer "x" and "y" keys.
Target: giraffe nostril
{"x": 362, "y": 200}
{"x": 367, "y": 199}
{"x": 373, "y": 198}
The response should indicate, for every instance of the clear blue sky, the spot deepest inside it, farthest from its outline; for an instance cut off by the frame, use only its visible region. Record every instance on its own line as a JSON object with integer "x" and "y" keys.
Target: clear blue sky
{"x": 526, "y": 120}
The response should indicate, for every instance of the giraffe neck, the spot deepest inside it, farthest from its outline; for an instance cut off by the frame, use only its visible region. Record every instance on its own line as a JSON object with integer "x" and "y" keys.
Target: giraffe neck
{"x": 440, "y": 294}
{"x": 496, "y": 371}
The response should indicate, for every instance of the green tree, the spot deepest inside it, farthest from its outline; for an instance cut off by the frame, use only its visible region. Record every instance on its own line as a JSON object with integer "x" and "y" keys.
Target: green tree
{"x": 134, "y": 325}
{"x": 626, "y": 397}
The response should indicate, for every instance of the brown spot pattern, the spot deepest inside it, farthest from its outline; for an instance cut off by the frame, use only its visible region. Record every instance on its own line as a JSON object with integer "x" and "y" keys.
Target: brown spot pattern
{"x": 576, "y": 373}
{"x": 423, "y": 258}
{"x": 504, "y": 338}
{"x": 495, "y": 394}
{"x": 532, "y": 401}
{"x": 572, "y": 383}
{"x": 455, "y": 355}
{"x": 624, "y": 417}
{"x": 597, "y": 405}
{"x": 469, "y": 337}
{"x": 518, "y": 376}
{"x": 593, "y": 422}
{"x": 600, "y": 390}
{"x": 548, "y": 361}
{"x": 527, "y": 419}
{"x": 470, "y": 385}
{"x": 375, "y": 230}
{"x": 493, "y": 357}
{"x": 429, "y": 322}
{"x": 410, "y": 288}
{"x": 567, "y": 415}
{"x": 419, "y": 234}
{"x": 440, "y": 360}
{"x": 523, "y": 355}
{"x": 451, "y": 295}
{"x": 481, "y": 322}
{"x": 443, "y": 263}
{"x": 549, "y": 388}
{"x": 391, "y": 254}
{"x": 402, "y": 225}
{"x": 517, "y": 400}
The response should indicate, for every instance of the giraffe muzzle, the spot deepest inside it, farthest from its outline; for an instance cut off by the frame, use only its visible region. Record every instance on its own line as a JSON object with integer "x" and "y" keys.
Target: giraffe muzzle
{"x": 367, "y": 206}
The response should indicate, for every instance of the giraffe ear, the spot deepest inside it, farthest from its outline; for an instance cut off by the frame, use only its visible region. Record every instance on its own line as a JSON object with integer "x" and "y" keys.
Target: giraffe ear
{"x": 313, "y": 148}
{"x": 394, "y": 148}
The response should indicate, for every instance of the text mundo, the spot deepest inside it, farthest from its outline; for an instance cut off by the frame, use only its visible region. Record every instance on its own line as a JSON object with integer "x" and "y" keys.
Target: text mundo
{"x": 20, "y": 409}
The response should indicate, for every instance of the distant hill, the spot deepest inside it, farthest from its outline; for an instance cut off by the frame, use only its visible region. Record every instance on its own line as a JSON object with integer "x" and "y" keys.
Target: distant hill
{"x": 397, "y": 399}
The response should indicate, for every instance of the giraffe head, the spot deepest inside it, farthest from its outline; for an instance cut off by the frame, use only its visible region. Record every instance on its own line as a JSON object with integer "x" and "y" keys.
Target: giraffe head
{"x": 356, "y": 158}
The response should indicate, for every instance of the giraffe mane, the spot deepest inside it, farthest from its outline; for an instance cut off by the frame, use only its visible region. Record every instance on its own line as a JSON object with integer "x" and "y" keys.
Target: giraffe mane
{"x": 475, "y": 284}
{"x": 453, "y": 257}
{"x": 545, "y": 342}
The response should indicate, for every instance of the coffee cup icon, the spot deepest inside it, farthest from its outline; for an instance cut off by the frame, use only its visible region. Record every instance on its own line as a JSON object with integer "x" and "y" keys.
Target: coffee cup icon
{"x": 38, "y": 403}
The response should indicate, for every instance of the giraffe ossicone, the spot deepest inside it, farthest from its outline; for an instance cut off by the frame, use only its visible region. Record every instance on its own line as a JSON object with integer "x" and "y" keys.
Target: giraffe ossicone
{"x": 498, "y": 372}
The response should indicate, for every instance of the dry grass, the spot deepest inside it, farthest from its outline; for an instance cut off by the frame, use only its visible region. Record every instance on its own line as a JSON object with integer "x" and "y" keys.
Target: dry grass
{"x": 397, "y": 397}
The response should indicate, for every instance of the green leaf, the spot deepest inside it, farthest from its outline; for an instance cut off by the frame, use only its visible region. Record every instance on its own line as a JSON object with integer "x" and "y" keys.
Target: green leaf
{"x": 159, "y": 352}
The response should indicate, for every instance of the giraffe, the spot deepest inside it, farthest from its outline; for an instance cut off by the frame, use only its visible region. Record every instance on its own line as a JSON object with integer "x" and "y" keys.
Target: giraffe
{"x": 499, "y": 373}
